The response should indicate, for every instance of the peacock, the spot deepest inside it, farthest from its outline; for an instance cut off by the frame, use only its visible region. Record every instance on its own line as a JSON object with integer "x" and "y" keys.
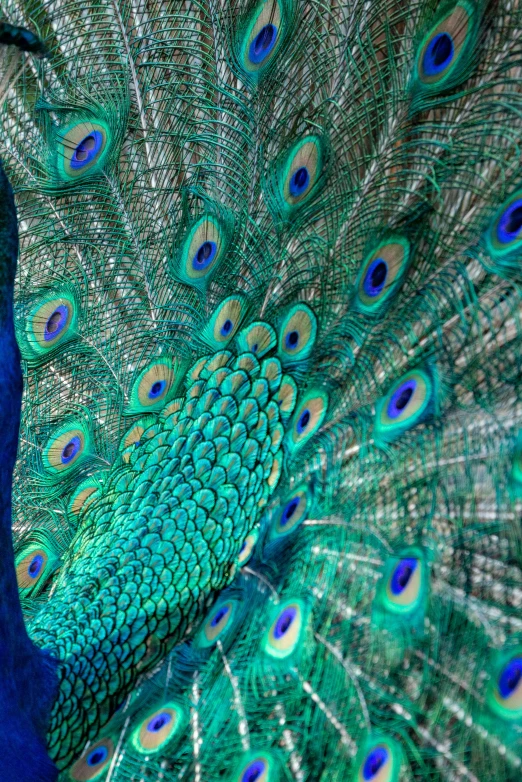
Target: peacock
{"x": 261, "y": 373}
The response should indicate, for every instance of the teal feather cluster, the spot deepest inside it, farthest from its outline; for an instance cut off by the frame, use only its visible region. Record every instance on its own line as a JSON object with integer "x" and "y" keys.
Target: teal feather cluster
{"x": 267, "y": 502}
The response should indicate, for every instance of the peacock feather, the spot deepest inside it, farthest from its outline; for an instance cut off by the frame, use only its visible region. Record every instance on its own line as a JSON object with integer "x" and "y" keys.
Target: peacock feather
{"x": 267, "y": 500}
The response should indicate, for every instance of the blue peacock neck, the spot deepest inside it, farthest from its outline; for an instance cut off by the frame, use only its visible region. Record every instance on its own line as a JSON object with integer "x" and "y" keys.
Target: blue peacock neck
{"x": 27, "y": 676}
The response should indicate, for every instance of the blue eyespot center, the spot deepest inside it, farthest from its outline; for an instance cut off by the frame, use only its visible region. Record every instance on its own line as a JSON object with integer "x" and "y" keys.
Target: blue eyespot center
{"x": 219, "y": 615}
{"x": 299, "y": 181}
{"x": 204, "y": 256}
{"x": 226, "y": 328}
{"x": 157, "y": 389}
{"x": 510, "y": 677}
{"x": 35, "y": 566}
{"x": 56, "y": 322}
{"x": 262, "y": 44}
{"x": 253, "y": 771}
{"x": 284, "y": 622}
{"x": 304, "y": 420}
{"x": 402, "y": 575}
{"x": 70, "y": 450}
{"x": 289, "y": 510}
{"x": 255, "y": 347}
{"x": 374, "y": 762}
{"x": 158, "y": 722}
{"x": 510, "y": 223}
{"x": 438, "y": 55}
{"x": 97, "y": 756}
{"x": 375, "y": 277}
{"x": 401, "y": 398}
{"x": 87, "y": 150}
{"x": 292, "y": 340}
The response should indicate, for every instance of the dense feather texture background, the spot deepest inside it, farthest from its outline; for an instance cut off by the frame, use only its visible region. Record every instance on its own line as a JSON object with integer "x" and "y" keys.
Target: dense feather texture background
{"x": 348, "y": 173}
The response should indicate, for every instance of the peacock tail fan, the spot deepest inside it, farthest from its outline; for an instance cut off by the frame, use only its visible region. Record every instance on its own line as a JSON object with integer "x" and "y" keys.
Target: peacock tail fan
{"x": 267, "y": 502}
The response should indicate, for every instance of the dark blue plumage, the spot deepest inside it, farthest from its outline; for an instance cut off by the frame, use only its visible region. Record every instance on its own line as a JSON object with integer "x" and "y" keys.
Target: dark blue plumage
{"x": 21, "y": 38}
{"x": 27, "y": 675}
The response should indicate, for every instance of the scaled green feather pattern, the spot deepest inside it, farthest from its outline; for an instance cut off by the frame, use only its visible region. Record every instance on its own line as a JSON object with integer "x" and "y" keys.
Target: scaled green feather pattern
{"x": 165, "y": 531}
{"x": 268, "y": 495}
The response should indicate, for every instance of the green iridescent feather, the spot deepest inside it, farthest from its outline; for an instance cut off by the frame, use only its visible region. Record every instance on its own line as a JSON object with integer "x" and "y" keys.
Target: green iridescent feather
{"x": 268, "y": 494}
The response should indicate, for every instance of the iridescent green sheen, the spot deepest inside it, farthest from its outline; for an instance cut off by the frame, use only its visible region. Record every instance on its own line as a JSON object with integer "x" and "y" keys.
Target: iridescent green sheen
{"x": 165, "y": 532}
{"x": 267, "y": 499}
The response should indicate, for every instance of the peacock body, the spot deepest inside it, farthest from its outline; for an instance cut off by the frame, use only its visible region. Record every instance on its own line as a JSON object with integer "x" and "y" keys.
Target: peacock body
{"x": 267, "y": 500}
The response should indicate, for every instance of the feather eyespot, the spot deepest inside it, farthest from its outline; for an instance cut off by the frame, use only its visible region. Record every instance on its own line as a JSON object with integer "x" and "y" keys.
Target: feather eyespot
{"x": 66, "y": 448}
{"x": 303, "y": 421}
{"x": 226, "y": 327}
{"x": 202, "y": 252}
{"x": 505, "y": 691}
{"x": 381, "y": 274}
{"x": 375, "y": 277}
{"x": 302, "y": 173}
{"x": 256, "y": 767}
{"x": 438, "y": 54}
{"x": 509, "y": 225}
{"x": 404, "y": 585}
{"x": 159, "y": 728}
{"x": 510, "y": 680}
{"x": 82, "y": 149}
{"x": 258, "y": 338}
{"x": 224, "y": 323}
{"x": 247, "y": 548}
{"x": 157, "y": 389}
{"x": 94, "y": 761}
{"x": 50, "y": 323}
{"x": 263, "y": 44}
{"x": 298, "y": 334}
{"x": 299, "y": 181}
{"x": 56, "y": 322}
{"x": 35, "y": 562}
{"x": 87, "y": 150}
{"x": 286, "y": 630}
{"x": 35, "y": 566}
{"x": 504, "y": 236}
{"x": 255, "y": 771}
{"x": 401, "y": 398}
{"x": 403, "y": 591}
{"x": 71, "y": 449}
{"x": 217, "y": 623}
{"x": 293, "y": 512}
{"x": 307, "y": 419}
{"x": 97, "y": 756}
{"x": 31, "y": 568}
{"x": 289, "y": 511}
{"x": 409, "y": 402}
{"x": 445, "y": 54}
{"x": 375, "y": 762}
{"x": 379, "y": 762}
{"x": 262, "y": 38}
{"x": 154, "y": 386}
{"x": 204, "y": 255}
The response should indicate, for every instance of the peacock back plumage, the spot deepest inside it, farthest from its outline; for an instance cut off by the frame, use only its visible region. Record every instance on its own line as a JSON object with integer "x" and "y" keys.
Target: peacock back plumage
{"x": 267, "y": 502}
